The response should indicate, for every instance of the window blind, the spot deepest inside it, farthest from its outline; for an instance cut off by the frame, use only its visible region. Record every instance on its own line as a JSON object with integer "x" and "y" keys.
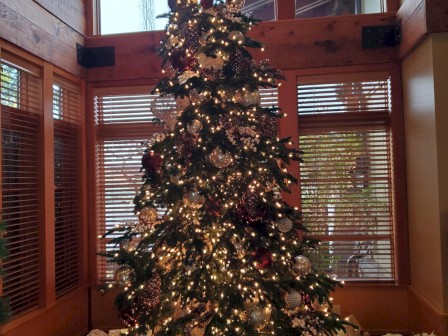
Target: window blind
{"x": 346, "y": 177}
{"x": 21, "y": 127}
{"x": 67, "y": 119}
{"x": 118, "y": 180}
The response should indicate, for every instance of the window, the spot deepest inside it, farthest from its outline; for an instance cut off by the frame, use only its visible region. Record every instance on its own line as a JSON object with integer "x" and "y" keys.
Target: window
{"x": 260, "y": 9}
{"x": 67, "y": 128}
{"x": 124, "y": 122}
{"x": 318, "y": 8}
{"x": 131, "y": 16}
{"x": 346, "y": 176}
{"x": 21, "y": 126}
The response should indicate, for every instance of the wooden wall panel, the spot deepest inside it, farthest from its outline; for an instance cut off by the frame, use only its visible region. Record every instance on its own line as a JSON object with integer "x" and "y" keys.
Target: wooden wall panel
{"x": 425, "y": 318}
{"x": 29, "y": 26}
{"x": 378, "y": 309}
{"x": 68, "y": 317}
{"x": 71, "y": 12}
{"x": 291, "y": 44}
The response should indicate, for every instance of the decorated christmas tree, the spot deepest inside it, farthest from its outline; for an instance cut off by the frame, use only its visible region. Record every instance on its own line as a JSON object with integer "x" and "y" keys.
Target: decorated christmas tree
{"x": 215, "y": 250}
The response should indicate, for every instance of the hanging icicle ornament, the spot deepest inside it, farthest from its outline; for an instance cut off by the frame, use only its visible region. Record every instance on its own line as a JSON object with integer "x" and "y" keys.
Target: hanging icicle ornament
{"x": 284, "y": 225}
{"x": 293, "y": 299}
{"x": 302, "y": 265}
{"x": 234, "y": 6}
{"x": 148, "y": 215}
{"x": 123, "y": 276}
{"x": 220, "y": 159}
{"x": 194, "y": 127}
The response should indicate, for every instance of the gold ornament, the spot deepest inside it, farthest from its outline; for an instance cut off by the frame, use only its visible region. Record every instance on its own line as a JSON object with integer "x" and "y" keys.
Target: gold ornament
{"x": 293, "y": 299}
{"x": 234, "y": 6}
{"x": 194, "y": 127}
{"x": 302, "y": 265}
{"x": 220, "y": 159}
{"x": 123, "y": 276}
{"x": 148, "y": 215}
{"x": 172, "y": 41}
{"x": 237, "y": 36}
{"x": 284, "y": 225}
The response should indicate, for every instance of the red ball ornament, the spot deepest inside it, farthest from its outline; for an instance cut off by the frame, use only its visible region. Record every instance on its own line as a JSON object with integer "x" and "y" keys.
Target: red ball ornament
{"x": 180, "y": 62}
{"x": 151, "y": 162}
{"x": 206, "y": 4}
{"x": 263, "y": 258}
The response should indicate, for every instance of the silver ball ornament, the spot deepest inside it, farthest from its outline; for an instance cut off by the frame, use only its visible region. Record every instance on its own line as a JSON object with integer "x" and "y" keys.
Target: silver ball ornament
{"x": 258, "y": 316}
{"x": 220, "y": 159}
{"x": 302, "y": 265}
{"x": 293, "y": 299}
{"x": 284, "y": 225}
{"x": 123, "y": 276}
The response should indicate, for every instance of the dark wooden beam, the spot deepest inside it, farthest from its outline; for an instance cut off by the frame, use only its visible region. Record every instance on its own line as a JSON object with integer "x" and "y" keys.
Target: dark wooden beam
{"x": 290, "y": 44}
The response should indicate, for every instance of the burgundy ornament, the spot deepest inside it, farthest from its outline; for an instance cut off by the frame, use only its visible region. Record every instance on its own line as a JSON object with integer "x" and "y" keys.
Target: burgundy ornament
{"x": 206, "y": 4}
{"x": 263, "y": 258}
{"x": 151, "y": 162}
{"x": 213, "y": 207}
{"x": 180, "y": 62}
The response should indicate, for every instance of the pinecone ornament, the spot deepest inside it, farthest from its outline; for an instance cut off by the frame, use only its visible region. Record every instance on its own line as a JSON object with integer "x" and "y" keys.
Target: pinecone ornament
{"x": 268, "y": 125}
{"x": 192, "y": 37}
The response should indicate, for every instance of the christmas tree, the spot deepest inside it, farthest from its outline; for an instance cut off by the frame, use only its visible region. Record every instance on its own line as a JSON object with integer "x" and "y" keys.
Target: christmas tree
{"x": 215, "y": 250}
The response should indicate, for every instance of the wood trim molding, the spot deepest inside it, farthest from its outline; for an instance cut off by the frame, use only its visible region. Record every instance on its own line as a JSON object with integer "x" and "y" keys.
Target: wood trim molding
{"x": 424, "y": 316}
{"x": 419, "y": 18}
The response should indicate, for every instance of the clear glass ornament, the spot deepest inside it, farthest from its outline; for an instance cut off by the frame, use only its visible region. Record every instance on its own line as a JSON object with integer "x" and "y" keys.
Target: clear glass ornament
{"x": 148, "y": 215}
{"x": 302, "y": 265}
{"x": 123, "y": 276}
{"x": 220, "y": 159}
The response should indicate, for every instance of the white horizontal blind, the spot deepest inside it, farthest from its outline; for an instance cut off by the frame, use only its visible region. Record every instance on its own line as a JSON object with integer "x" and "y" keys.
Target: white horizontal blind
{"x": 125, "y": 108}
{"x": 346, "y": 178}
{"x": 21, "y": 126}
{"x": 67, "y": 148}
{"x": 118, "y": 180}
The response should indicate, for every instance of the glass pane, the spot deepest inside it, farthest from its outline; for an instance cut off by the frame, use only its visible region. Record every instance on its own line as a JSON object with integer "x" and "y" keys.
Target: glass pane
{"x": 118, "y": 16}
{"x": 318, "y": 8}
{"x": 260, "y": 9}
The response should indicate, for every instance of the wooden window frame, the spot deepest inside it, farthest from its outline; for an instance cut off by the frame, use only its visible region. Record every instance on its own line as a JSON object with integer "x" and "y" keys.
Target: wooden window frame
{"x": 288, "y": 127}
